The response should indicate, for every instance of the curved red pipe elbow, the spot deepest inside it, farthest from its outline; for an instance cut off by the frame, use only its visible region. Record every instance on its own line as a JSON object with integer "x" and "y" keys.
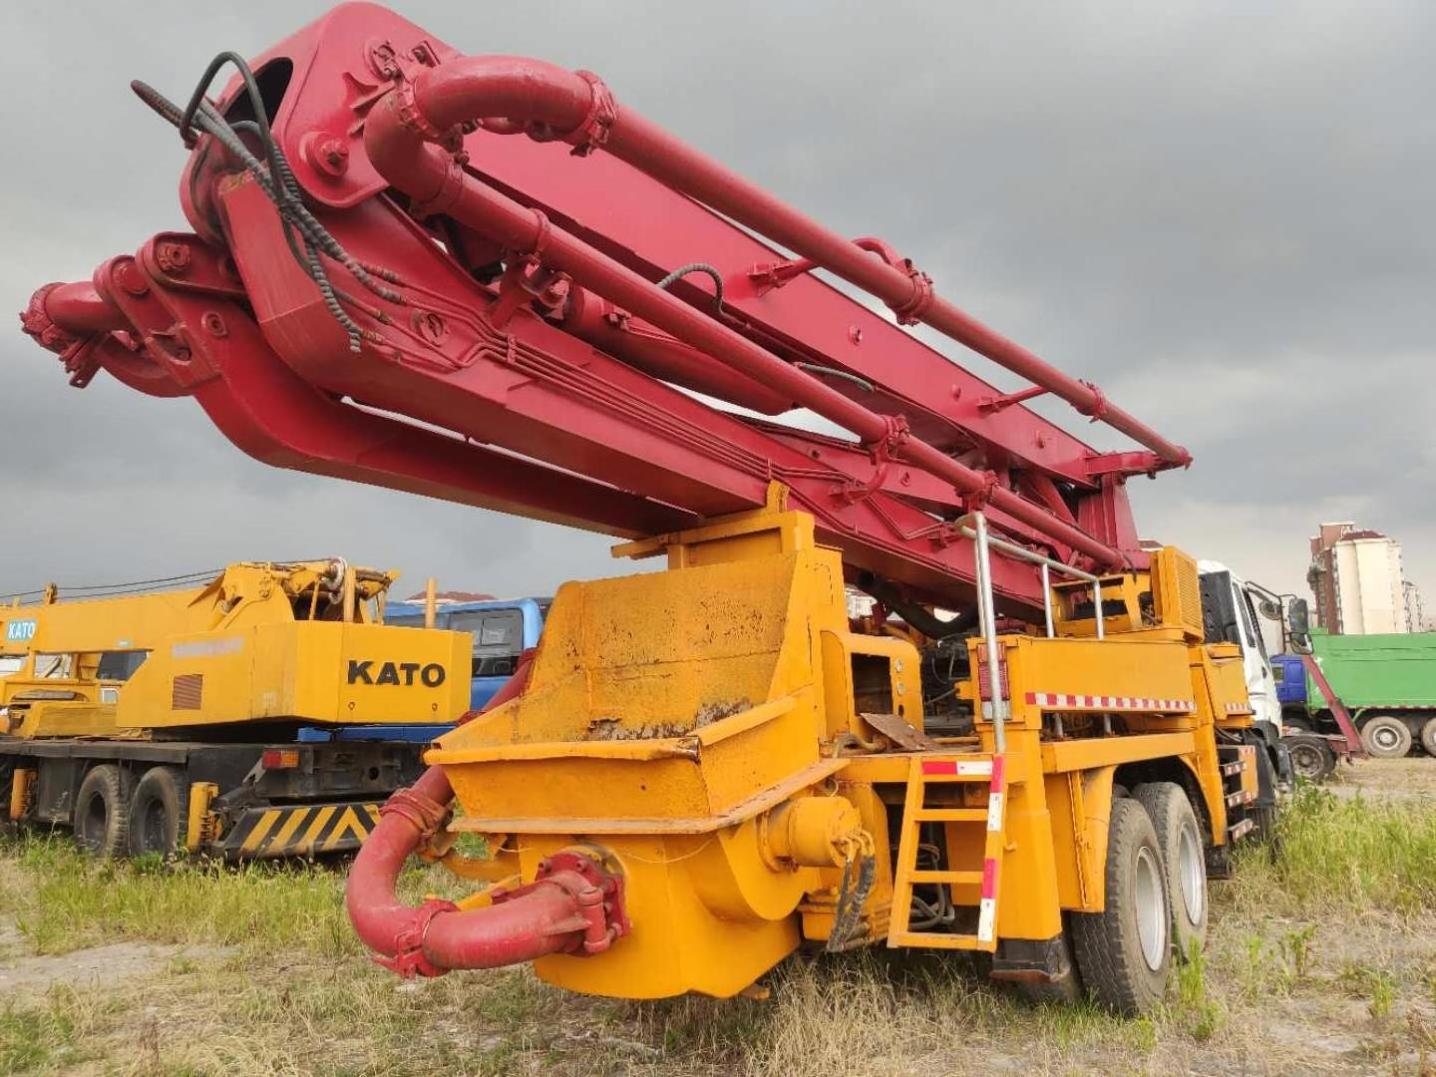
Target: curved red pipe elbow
{"x": 562, "y": 911}
{"x": 516, "y": 91}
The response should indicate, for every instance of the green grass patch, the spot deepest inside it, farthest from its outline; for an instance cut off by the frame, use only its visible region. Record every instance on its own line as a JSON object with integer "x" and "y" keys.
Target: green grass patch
{"x": 1348, "y": 853}
{"x": 46, "y": 1035}
{"x": 63, "y": 900}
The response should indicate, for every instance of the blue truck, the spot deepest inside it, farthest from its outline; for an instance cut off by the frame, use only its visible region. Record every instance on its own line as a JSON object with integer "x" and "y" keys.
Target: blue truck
{"x": 502, "y": 628}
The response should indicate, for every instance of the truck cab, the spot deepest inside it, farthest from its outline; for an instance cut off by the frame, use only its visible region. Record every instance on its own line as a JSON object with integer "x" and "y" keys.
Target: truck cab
{"x": 1230, "y": 615}
{"x": 1290, "y": 677}
{"x": 502, "y": 629}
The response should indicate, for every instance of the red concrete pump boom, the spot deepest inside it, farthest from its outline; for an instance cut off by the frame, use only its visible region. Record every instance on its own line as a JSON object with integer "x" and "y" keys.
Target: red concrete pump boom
{"x": 483, "y": 279}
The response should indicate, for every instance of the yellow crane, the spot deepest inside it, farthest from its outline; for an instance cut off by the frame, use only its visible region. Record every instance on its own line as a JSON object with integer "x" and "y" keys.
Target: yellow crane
{"x": 192, "y": 717}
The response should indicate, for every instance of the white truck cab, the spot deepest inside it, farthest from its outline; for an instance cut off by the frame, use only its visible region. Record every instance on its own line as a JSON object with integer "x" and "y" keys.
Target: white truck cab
{"x": 1229, "y": 612}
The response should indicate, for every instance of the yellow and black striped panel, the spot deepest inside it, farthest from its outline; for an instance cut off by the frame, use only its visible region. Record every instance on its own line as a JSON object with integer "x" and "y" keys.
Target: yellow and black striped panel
{"x": 300, "y": 830}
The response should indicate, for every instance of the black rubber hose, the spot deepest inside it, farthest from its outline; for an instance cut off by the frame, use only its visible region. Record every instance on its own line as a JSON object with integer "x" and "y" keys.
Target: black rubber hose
{"x": 917, "y": 616}
{"x": 698, "y": 267}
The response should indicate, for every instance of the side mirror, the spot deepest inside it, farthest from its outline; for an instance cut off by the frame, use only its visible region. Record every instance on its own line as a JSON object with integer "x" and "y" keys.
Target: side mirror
{"x": 1298, "y": 623}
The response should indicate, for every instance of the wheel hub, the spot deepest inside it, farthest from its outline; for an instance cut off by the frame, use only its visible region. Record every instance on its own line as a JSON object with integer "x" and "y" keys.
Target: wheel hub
{"x": 1151, "y": 908}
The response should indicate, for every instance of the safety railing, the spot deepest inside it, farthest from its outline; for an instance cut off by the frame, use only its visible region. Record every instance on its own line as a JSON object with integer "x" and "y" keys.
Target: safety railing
{"x": 974, "y": 526}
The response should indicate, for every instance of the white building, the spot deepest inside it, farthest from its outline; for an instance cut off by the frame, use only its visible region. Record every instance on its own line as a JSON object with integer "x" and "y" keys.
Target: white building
{"x": 1358, "y": 581}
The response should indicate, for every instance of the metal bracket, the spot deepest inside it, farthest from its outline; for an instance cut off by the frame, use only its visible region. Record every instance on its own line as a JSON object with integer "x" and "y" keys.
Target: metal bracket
{"x": 992, "y": 404}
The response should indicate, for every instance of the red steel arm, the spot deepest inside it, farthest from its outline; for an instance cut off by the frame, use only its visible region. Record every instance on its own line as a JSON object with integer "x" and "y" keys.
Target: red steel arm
{"x": 521, "y": 220}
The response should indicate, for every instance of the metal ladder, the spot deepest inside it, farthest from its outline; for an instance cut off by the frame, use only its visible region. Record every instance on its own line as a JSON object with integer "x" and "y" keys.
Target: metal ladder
{"x": 928, "y": 769}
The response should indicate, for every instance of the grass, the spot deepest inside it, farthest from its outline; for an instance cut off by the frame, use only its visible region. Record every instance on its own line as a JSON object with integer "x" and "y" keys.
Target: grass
{"x": 61, "y": 900}
{"x": 1348, "y": 853}
{"x": 1321, "y": 947}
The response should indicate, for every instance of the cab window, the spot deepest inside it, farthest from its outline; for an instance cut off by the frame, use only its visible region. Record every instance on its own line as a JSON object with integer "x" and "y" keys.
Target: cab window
{"x": 120, "y": 665}
{"x": 498, "y": 639}
{"x": 1249, "y": 624}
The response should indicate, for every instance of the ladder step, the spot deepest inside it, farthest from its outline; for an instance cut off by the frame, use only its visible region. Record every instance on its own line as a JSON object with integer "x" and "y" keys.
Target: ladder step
{"x": 935, "y": 941}
{"x": 1238, "y": 830}
{"x": 1234, "y": 767}
{"x": 950, "y": 815}
{"x": 1240, "y": 797}
{"x": 933, "y": 779}
{"x": 972, "y": 877}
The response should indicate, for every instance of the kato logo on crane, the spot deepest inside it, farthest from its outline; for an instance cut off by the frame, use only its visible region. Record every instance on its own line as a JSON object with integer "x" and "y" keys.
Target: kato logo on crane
{"x": 372, "y": 671}
{"x": 19, "y": 631}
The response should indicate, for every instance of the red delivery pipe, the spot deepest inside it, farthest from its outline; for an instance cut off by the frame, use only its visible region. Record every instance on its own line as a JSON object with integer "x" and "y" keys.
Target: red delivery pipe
{"x": 561, "y": 911}
{"x": 547, "y": 100}
{"x": 396, "y": 141}
{"x": 79, "y": 309}
{"x": 60, "y": 314}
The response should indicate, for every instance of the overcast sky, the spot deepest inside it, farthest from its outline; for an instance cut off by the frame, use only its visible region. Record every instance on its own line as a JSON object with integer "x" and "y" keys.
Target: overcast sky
{"x": 1225, "y": 218}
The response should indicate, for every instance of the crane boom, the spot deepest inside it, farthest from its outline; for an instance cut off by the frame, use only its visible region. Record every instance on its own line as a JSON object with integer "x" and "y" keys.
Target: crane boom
{"x": 483, "y": 279}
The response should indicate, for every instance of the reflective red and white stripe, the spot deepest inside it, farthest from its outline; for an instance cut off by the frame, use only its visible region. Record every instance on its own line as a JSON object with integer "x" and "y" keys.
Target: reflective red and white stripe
{"x": 987, "y": 905}
{"x": 987, "y": 900}
{"x": 961, "y": 768}
{"x": 1239, "y": 708}
{"x": 1062, "y": 701}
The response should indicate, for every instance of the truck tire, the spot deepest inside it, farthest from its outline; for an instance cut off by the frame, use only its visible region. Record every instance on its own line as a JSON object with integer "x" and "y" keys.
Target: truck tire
{"x": 102, "y": 812}
{"x": 1428, "y": 736}
{"x": 1124, "y": 952}
{"x": 159, "y": 812}
{"x": 1296, "y": 723}
{"x": 1311, "y": 756}
{"x": 7, "y": 785}
{"x": 1385, "y": 737}
{"x": 1184, "y": 862}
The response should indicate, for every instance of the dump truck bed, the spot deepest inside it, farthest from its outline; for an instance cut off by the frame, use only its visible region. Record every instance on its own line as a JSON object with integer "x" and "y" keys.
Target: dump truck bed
{"x": 1387, "y": 671}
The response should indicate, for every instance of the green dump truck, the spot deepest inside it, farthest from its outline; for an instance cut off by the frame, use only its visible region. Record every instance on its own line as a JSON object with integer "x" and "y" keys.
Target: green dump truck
{"x": 1387, "y": 682}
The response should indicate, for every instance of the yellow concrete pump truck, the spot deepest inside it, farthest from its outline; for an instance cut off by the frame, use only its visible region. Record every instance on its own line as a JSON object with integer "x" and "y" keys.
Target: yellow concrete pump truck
{"x": 265, "y": 712}
{"x": 482, "y": 278}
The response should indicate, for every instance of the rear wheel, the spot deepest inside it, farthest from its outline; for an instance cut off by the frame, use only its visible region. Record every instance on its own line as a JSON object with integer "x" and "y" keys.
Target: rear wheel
{"x": 1385, "y": 737}
{"x": 1311, "y": 757}
{"x": 1428, "y": 736}
{"x": 1125, "y": 952}
{"x": 102, "y": 811}
{"x": 1183, "y": 860}
{"x": 159, "y": 812}
{"x": 7, "y": 784}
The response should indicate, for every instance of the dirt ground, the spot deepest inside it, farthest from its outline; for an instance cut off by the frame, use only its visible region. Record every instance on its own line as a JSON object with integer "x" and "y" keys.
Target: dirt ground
{"x": 134, "y": 984}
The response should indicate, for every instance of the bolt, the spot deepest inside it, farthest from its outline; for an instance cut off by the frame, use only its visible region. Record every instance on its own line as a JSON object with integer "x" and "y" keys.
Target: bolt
{"x": 173, "y": 257}
{"x": 130, "y": 279}
{"x": 855, "y": 334}
{"x": 328, "y": 153}
{"x": 214, "y": 324}
{"x": 334, "y": 153}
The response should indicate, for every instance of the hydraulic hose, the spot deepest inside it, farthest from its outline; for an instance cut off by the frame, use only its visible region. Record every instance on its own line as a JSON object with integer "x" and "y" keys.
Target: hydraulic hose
{"x": 917, "y": 616}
